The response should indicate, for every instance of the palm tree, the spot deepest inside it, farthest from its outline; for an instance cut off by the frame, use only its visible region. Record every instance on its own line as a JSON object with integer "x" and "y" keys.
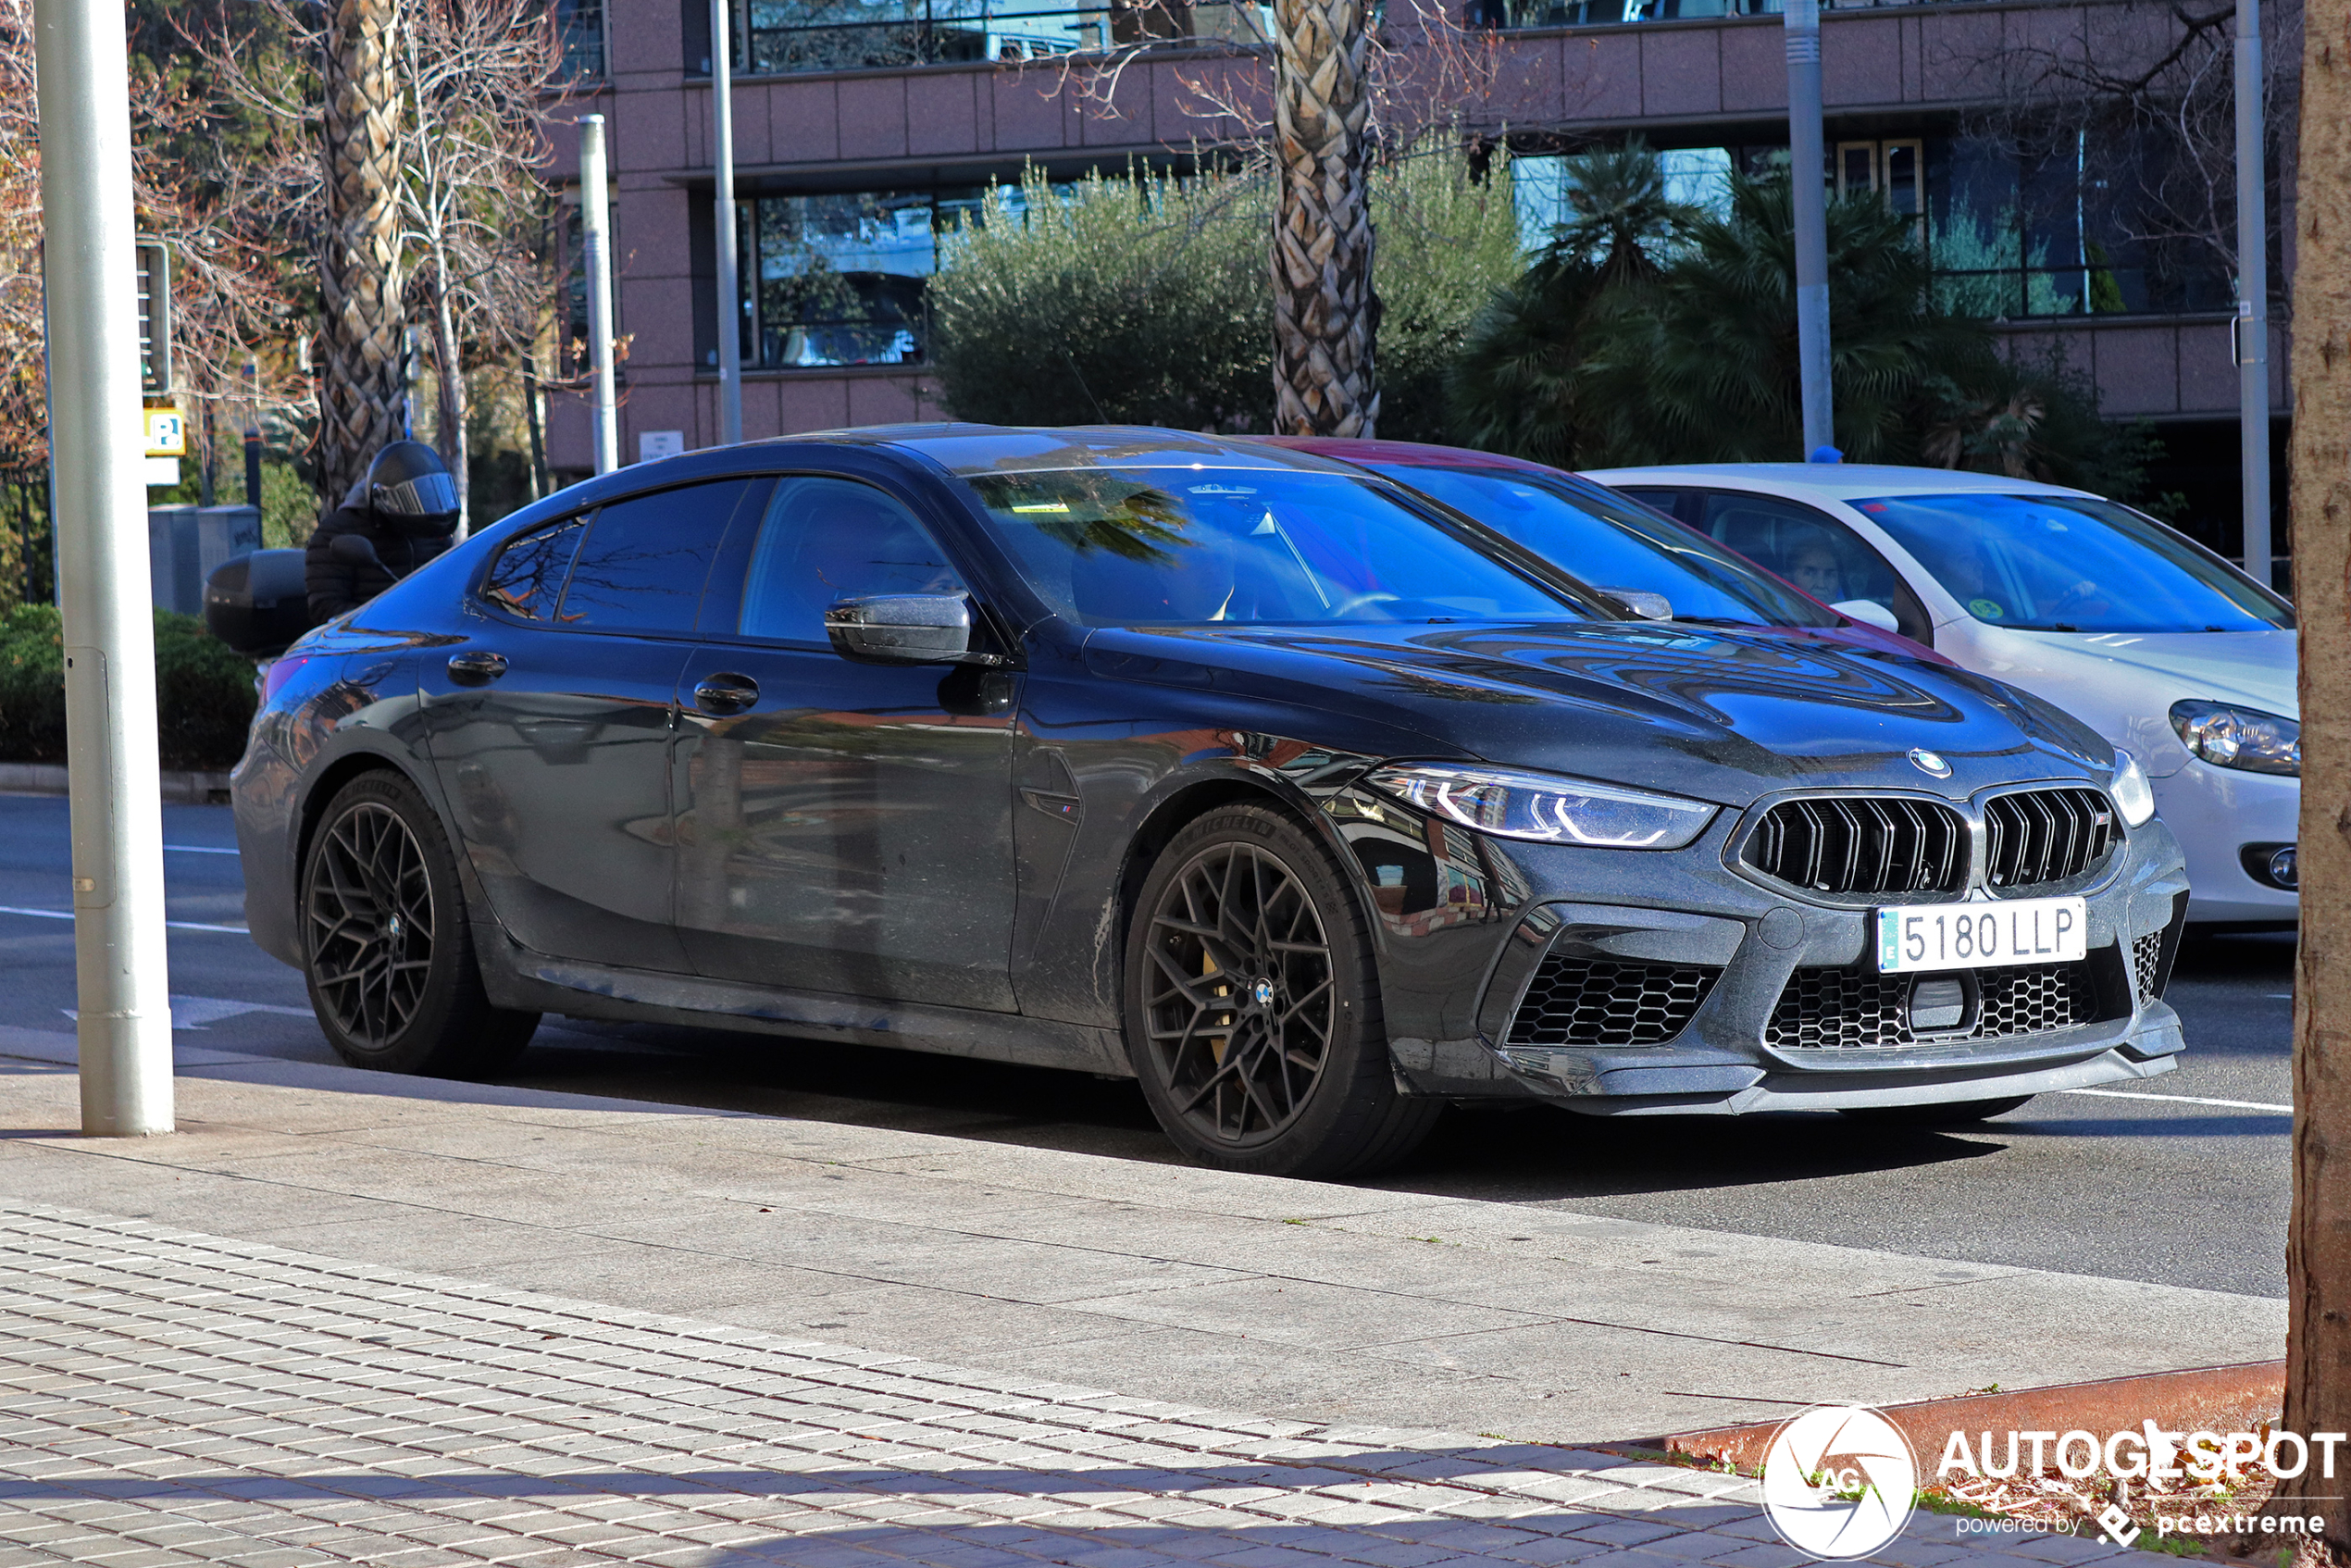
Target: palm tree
{"x": 362, "y": 380}
{"x": 1324, "y": 312}
{"x": 1515, "y": 385}
{"x": 1701, "y": 364}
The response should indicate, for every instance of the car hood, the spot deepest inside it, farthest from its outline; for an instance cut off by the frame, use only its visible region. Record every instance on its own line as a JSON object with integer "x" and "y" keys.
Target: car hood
{"x": 1723, "y": 716}
{"x": 2123, "y": 684}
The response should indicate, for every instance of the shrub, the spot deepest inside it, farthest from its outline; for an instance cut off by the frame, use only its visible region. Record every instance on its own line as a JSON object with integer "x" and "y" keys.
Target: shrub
{"x": 204, "y": 692}
{"x": 1143, "y": 299}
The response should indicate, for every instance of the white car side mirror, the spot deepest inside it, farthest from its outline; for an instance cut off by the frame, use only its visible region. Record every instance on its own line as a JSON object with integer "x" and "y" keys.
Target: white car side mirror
{"x": 1869, "y": 612}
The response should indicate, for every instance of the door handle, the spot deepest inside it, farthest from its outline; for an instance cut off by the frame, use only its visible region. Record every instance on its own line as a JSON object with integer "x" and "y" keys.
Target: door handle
{"x": 479, "y": 668}
{"x": 726, "y": 692}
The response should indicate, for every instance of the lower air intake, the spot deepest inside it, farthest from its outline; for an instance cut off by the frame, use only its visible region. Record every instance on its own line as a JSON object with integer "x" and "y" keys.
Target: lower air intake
{"x": 1607, "y": 1002}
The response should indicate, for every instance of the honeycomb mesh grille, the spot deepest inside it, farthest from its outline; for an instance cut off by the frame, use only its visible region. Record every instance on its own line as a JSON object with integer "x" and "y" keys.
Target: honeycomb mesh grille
{"x": 2146, "y": 961}
{"x": 1853, "y": 1010}
{"x": 2044, "y": 836}
{"x": 1606, "y": 1001}
{"x": 1861, "y": 844}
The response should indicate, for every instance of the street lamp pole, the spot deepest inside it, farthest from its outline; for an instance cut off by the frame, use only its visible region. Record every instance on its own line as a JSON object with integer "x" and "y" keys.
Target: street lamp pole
{"x": 89, "y": 269}
{"x": 595, "y": 223}
{"x": 722, "y": 137}
{"x": 2250, "y": 331}
{"x": 1801, "y": 20}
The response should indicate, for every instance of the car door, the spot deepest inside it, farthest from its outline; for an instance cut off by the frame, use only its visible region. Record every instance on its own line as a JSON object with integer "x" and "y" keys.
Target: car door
{"x": 551, "y": 724}
{"x": 842, "y": 826}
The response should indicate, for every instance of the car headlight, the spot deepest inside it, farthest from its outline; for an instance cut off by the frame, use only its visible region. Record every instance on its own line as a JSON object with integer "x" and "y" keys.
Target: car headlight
{"x": 2129, "y": 790}
{"x": 2240, "y": 738}
{"x": 1546, "y": 808}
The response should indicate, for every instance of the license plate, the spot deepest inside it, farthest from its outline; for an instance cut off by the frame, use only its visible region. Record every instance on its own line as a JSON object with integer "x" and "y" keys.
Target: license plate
{"x": 1981, "y": 936}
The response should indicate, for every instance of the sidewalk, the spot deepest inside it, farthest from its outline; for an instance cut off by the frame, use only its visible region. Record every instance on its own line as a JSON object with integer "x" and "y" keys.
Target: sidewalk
{"x": 345, "y": 1318}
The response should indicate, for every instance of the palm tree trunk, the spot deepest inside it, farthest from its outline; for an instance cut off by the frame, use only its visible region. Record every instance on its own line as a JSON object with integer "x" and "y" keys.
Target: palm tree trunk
{"x": 1324, "y": 312}
{"x": 2318, "y": 1378}
{"x": 361, "y": 382}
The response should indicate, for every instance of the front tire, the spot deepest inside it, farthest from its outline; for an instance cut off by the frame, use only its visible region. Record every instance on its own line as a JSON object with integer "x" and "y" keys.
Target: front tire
{"x": 387, "y": 950}
{"x": 1252, "y": 1007}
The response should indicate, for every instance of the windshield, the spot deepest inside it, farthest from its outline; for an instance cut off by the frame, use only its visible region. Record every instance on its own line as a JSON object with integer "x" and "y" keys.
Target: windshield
{"x": 2060, "y": 563}
{"x": 1621, "y": 546}
{"x": 1251, "y": 546}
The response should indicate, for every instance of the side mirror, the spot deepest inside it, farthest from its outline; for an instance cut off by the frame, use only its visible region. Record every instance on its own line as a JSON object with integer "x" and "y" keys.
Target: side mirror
{"x": 905, "y": 629}
{"x": 1642, "y": 602}
{"x": 258, "y": 602}
{"x": 1869, "y": 612}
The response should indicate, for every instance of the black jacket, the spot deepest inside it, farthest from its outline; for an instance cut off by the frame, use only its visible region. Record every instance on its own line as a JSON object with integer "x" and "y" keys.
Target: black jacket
{"x": 335, "y": 586}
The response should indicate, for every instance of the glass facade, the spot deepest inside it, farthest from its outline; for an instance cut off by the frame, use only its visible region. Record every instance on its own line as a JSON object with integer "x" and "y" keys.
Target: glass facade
{"x": 839, "y": 278}
{"x": 2013, "y": 233}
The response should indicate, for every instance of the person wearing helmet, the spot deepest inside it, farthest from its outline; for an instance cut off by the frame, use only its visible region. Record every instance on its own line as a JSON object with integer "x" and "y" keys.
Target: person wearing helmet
{"x": 393, "y": 521}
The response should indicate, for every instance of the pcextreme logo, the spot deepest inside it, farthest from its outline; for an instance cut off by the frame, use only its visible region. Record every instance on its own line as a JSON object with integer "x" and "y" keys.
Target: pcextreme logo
{"x": 1840, "y": 1482}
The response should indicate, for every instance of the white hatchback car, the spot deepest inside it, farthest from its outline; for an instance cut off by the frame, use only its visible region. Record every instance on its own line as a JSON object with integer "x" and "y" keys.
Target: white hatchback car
{"x": 2155, "y": 641}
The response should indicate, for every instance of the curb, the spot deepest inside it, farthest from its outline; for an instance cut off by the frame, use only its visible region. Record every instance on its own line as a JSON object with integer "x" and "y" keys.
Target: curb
{"x": 180, "y": 786}
{"x": 2208, "y": 1398}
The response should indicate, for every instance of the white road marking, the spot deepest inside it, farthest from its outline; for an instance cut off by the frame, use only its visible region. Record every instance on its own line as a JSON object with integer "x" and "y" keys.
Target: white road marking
{"x": 175, "y": 924}
{"x": 2184, "y": 1100}
{"x": 195, "y": 1012}
{"x": 198, "y": 849}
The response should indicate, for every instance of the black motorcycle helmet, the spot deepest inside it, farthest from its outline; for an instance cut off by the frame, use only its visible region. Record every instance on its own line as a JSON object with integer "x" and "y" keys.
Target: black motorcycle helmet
{"x": 409, "y": 488}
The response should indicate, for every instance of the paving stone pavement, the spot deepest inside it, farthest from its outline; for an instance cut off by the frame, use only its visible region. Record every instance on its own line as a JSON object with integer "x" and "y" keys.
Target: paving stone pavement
{"x": 171, "y": 1397}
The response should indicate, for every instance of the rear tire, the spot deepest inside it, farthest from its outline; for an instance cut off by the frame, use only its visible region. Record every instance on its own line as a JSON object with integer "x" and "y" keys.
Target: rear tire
{"x": 1958, "y": 1112}
{"x": 387, "y": 949}
{"x": 1252, "y": 1007}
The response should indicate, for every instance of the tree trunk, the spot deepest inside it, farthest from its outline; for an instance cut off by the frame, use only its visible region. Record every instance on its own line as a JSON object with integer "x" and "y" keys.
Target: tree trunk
{"x": 450, "y": 411}
{"x": 1324, "y": 312}
{"x": 533, "y": 415}
{"x": 2317, "y": 1385}
{"x": 361, "y": 386}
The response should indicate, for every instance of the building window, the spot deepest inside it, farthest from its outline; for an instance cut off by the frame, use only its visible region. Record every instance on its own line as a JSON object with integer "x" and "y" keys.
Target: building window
{"x": 780, "y": 36}
{"x": 838, "y": 279}
{"x": 580, "y": 24}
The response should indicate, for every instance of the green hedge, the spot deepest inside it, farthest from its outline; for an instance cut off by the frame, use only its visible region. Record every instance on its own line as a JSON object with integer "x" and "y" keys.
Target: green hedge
{"x": 204, "y": 692}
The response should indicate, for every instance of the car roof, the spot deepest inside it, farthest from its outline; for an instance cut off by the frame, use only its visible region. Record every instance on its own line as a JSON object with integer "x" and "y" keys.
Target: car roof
{"x": 1403, "y": 454}
{"x": 968, "y": 449}
{"x": 1837, "y": 481}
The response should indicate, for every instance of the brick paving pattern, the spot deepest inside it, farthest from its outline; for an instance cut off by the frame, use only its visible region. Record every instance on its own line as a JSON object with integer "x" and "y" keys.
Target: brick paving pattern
{"x": 168, "y": 1398}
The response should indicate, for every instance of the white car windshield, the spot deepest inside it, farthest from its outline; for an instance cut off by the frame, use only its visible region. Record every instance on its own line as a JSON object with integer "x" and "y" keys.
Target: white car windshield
{"x": 1197, "y": 546}
{"x": 2061, "y": 562}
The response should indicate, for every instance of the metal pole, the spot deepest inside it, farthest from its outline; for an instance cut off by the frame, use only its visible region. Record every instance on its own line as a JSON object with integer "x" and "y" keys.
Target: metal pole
{"x": 594, "y": 222}
{"x": 722, "y": 139}
{"x": 1805, "y": 160}
{"x": 121, "y": 967}
{"x": 2250, "y": 331}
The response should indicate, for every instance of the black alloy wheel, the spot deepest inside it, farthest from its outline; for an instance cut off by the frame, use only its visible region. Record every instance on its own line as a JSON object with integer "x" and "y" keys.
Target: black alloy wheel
{"x": 389, "y": 955}
{"x": 1254, "y": 1016}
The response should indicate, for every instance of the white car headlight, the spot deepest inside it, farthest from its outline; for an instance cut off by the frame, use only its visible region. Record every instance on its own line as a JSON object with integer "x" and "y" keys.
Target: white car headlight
{"x": 2240, "y": 738}
{"x": 2129, "y": 788}
{"x": 1546, "y": 808}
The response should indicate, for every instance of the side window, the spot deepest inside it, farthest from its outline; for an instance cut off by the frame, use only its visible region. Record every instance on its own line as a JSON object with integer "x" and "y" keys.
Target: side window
{"x": 528, "y": 577}
{"x": 645, "y": 559}
{"x": 827, "y": 539}
{"x": 1677, "y": 503}
{"x": 1813, "y": 551}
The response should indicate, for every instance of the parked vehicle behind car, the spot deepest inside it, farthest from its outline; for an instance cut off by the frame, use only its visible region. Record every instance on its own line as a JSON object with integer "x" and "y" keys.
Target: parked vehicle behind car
{"x": 2163, "y": 647}
{"x": 1246, "y": 773}
{"x": 1654, "y": 565}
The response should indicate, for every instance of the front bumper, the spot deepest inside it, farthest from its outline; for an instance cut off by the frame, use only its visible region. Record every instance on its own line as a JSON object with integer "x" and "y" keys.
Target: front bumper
{"x": 2214, "y": 813}
{"x": 1454, "y": 1003}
